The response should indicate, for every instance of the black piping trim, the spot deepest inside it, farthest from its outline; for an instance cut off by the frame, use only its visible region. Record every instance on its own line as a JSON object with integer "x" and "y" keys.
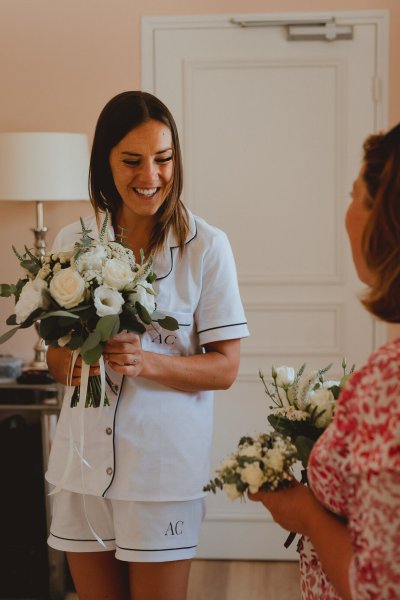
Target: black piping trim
{"x": 115, "y": 415}
{"x": 222, "y": 326}
{"x": 60, "y": 537}
{"x": 156, "y": 549}
{"x": 172, "y": 255}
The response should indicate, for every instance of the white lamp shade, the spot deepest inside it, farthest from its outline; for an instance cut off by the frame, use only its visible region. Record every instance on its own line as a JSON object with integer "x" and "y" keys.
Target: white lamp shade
{"x": 44, "y": 166}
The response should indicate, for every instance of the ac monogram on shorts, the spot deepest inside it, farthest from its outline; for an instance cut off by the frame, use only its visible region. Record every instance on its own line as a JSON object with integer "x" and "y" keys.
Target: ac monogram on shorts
{"x": 176, "y": 529}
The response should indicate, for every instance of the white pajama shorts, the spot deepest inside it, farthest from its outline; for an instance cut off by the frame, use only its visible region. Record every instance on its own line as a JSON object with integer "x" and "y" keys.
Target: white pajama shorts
{"x": 137, "y": 531}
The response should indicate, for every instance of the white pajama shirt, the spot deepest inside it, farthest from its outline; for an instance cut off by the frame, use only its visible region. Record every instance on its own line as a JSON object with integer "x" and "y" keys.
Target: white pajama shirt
{"x": 153, "y": 442}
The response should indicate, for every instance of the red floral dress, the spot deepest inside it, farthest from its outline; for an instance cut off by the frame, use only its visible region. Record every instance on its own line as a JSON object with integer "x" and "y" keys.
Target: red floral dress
{"x": 354, "y": 470}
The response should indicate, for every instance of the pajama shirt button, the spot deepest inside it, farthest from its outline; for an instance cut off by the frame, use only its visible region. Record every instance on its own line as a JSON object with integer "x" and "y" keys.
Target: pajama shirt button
{"x": 108, "y": 431}
{"x": 109, "y": 471}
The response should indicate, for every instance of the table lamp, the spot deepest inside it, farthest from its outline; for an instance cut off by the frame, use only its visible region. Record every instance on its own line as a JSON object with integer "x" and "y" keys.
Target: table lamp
{"x": 40, "y": 167}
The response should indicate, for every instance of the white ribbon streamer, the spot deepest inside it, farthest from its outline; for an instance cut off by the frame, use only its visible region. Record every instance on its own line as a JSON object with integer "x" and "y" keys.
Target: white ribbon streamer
{"x": 80, "y": 409}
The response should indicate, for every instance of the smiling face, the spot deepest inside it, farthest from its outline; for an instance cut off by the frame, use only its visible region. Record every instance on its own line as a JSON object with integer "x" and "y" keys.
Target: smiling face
{"x": 356, "y": 218}
{"x": 142, "y": 166}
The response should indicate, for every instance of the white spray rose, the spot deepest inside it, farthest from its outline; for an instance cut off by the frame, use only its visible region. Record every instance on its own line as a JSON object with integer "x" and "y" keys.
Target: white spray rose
{"x": 107, "y": 301}
{"x": 322, "y": 400}
{"x": 67, "y": 288}
{"x": 253, "y": 450}
{"x": 274, "y": 459}
{"x": 231, "y": 491}
{"x": 284, "y": 376}
{"x": 145, "y": 297}
{"x": 31, "y": 298}
{"x": 254, "y": 476}
{"x": 92, "y": 259}
{"x": 117, "y": 274}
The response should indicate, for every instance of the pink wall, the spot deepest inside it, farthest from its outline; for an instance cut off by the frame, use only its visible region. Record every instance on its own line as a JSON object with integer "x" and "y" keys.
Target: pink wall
{"x": 61, "y": 61}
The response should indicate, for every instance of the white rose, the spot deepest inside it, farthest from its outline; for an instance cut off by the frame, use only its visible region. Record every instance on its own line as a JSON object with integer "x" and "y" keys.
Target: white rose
{"x": 117, "y": 273}
{"x": 107, "y": 301}
{"x": 231, "y": 491}
{"x": 31, "y": 298}
{"x": 143, "y": 294}
{"x": 67, "y": 288}
{"x": 254, "y": 476}
{"x": 274, "y": 459}
{"x": 92, "y": 259}
{"x": 284, "y": 376}
{"x": 322, "y": 400}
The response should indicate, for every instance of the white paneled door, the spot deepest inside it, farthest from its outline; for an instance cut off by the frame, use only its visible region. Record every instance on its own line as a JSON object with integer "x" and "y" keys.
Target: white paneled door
{"x": 271, "y": 131}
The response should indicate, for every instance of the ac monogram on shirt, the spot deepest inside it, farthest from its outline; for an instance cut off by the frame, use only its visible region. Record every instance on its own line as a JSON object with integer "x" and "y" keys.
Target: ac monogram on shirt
{"x": 169, "y": 339}
{"x": 176, "y": 529}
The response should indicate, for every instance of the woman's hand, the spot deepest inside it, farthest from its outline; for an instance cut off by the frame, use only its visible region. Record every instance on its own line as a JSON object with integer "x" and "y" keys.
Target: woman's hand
{"x": 292, "y": 508}
{"x": 59, "y": 361}
{"x": 124, "y": 354}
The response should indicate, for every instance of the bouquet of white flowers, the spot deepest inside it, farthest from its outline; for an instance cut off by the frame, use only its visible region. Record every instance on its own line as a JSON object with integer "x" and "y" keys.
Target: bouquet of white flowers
{"x": 262, "y": 463}
{"x": 303, "y": 404}
{"x": 83, "y": 297}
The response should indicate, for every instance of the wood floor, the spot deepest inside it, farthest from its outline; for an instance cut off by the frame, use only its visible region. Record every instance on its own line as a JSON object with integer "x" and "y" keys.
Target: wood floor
{"x": 241, "y": 580}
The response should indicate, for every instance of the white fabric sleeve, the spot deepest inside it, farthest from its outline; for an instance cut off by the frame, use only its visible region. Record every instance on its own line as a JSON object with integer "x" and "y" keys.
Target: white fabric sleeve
{"x": 219, "y": 314}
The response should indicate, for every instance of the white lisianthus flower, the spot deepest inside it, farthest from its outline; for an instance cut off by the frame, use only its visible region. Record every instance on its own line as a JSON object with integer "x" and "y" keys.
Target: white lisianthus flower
{"x": 322, "y": 400}
{"x": 274, "y": 459}
{"x": 144, "y": 296}
{"x": 68, "y": 288}
{"x": 117, "y": 273}
{"x": 31, "y": 298}
{"x": 231, "y": 491}
{"x": 284, "y": 376}
{"x": 254, "y": 476}
{"x": 92, "y": 259}
{"x": 64, "y": 340}
{"x": 107, "y": 301}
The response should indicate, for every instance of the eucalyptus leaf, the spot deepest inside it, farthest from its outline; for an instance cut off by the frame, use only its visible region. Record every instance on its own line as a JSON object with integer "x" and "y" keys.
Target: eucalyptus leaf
{"x": 143, "y": 313}
{"x": 76, "y": 341}
{"x": 7, "y": 290}
{"x": 12, "y": 320}
{"x": 92, "y": 340}
{"x": 37, "y": 314}
{"x": 93, "y": 355}
{"x": 60, "y": 313}
{"x": 107, "y": 327}
{"x": 8, "y": 334}
{"x": 129, "y": 322}
{"x": 304, "y": 446}
{"x": 168, "y": 323}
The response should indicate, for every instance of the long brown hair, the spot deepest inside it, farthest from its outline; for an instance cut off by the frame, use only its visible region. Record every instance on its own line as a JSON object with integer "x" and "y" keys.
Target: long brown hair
{"x": 381, "y": 237}
{"x": 120, "y": 115}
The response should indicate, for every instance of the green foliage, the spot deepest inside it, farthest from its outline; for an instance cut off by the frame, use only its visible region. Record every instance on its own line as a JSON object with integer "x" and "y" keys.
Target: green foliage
{"x": 107, "y": 327}
{"x": 8, "y": 334}
{"x": 7, "y": 290}
{"x": 143, "y": 313}
{"x": 168, "y": 323}
{"x": 92, "y": 356}
{"x": 104, "y": 227}
{"x": 304, "y": 446}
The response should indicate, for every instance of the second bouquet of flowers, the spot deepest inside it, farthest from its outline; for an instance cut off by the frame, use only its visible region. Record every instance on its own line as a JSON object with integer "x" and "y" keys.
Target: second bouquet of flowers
{"x": 261, "y": 463}
{"x": 84, "y": 296}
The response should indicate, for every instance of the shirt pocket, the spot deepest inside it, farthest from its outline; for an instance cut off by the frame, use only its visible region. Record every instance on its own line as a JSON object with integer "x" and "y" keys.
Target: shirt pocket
{"x": 180, "y": 342}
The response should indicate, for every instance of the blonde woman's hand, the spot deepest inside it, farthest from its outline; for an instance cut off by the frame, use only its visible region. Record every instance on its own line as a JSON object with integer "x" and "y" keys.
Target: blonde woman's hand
{"x": 124, "y": 354}
{"x": 59, "y": 361}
